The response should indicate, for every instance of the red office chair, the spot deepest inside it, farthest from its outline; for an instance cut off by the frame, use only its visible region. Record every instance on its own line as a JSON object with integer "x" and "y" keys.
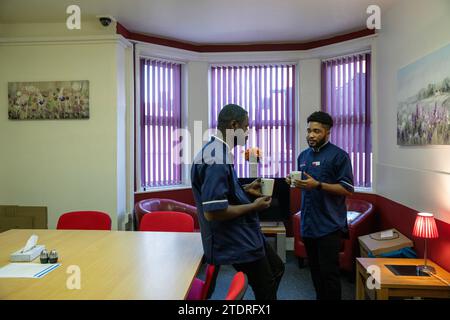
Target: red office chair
{"x": 84, "y": 220}
{"x": 238, "y": 287}
{"x": 169, "y": 221}
{"x": 202, "y": 290}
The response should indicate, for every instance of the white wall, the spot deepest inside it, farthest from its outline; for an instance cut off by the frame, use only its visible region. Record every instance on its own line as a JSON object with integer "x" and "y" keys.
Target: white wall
{"x": 123, "y": 56}
{"x": 129, "y": 132}
{"x": 197, "y": 99}
{"x": 309, "y": 96}
{"x": 418, "y": 177}
{"x": 65, "y": 164}
{"x": 37, "y": 30}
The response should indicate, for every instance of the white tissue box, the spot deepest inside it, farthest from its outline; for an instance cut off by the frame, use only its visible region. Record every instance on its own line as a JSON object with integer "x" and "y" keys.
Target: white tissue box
{"x": 28, "y": 256}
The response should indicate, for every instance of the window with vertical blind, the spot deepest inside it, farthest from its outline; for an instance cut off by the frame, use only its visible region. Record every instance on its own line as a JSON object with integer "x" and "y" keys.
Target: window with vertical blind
{"x": 160, "y": 115}
{"x": 346, "y": 97}
{"x": 267, "y": 92}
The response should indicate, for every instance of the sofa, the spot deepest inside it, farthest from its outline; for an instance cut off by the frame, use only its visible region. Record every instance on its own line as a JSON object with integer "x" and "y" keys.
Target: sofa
{"x": 155, "y": 204}
{"x": 360, "y": 224}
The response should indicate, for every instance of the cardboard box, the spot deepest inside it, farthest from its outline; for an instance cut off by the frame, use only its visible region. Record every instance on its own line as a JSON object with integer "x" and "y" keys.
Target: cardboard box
{"x": 374, "y": 243}
{"x": 22, "y": 217}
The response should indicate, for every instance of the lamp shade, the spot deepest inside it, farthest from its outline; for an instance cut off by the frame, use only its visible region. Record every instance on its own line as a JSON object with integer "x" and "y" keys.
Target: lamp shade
{"x": 425, "y": 226}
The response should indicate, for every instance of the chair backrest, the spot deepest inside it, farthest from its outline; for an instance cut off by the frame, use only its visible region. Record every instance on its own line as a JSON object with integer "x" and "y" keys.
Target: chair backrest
{"x": 238, "y": 287}
{"x": 84, "y": 220}
{"x": 169, "y": 221}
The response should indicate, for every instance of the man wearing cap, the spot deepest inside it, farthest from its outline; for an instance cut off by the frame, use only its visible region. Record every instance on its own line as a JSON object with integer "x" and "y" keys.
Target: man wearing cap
{"x": 327, "y": 180}
{"x": 228, "y": 220}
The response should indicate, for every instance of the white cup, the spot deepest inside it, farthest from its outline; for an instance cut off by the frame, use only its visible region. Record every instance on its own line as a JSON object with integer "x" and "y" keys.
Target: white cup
{"x": 295, "y": 175}
{"x": 267, "y": 186}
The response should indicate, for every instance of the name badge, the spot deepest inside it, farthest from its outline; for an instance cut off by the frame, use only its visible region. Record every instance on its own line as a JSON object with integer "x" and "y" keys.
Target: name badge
{"x": 316, "y": 163}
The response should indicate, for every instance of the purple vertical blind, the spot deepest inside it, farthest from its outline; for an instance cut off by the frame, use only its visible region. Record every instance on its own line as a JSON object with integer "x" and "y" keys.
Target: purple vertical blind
{"x": 346, "y": 97}
{"x": 267, "y": 92}
{"x": 160, "y": 116}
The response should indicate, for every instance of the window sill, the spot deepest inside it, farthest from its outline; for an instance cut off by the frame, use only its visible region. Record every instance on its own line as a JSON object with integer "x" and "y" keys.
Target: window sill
{"x": 185, "y": 186}
{"x": 364, "y": 190}
{"x": 165, "y": 188}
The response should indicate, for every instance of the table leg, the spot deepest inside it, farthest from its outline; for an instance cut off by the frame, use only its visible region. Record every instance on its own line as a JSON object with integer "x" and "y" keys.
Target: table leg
{"x": 360, "y": 292}
{"x": 281, "y": 246}
{"x": 382, "y": 294}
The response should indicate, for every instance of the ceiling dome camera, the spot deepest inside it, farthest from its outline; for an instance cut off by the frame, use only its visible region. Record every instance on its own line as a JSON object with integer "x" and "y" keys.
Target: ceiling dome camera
{"x": 105, "y": 21}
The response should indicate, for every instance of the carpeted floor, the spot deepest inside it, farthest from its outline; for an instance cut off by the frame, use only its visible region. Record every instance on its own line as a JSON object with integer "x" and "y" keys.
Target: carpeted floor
{"x": 295, "y": 285}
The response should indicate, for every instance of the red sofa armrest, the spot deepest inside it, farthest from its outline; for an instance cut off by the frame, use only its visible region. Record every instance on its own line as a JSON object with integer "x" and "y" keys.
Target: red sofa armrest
{"x": 361, "y": 225}
{"x": 149, "y": 205}
{"x": 296, "y": 218}
{"x": 365, "y": 221}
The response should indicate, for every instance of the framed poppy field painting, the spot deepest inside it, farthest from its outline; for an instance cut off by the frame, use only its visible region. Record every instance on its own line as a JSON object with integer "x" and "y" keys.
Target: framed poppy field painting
{"x": 48, "y": 100}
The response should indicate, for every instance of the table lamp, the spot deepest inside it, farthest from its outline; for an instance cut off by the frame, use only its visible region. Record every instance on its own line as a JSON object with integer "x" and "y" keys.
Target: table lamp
{"x": 425, "y": 227}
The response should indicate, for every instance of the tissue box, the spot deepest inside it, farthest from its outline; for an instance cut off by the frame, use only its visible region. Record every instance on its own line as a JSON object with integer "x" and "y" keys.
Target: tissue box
{"x": 26, "y": 256}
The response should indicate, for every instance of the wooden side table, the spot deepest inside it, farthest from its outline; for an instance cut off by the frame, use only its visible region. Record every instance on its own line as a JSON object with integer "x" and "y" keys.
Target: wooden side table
{"x": 376, "y": 245}
{"x": 391, "y": 285}
{"x": 279, "y": 231}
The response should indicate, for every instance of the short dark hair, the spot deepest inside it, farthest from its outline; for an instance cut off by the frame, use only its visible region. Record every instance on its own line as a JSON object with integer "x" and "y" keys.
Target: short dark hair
{"x": 321, "y": 117}
{"x": 229, "y": 113}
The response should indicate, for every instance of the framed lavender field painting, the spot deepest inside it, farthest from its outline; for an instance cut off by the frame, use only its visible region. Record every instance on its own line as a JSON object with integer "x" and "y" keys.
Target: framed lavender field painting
{"x": 48, "y": 100}
{"x": 423, "y": 113}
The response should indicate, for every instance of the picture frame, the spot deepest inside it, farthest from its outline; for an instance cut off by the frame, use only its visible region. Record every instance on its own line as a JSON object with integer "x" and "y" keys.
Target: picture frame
{"x": 48, "y": 100}
{"x": 423, "y": 113}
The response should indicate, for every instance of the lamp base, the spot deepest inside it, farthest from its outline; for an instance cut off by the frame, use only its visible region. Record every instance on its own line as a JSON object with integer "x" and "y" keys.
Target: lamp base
{"x": 426, "y": 269}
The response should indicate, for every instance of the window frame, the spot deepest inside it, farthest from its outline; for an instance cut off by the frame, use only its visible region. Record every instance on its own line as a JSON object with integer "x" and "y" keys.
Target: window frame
{"x": 138, "y": 117}
{"x": 369, "y": 90}
{"x": 295, "y": 99}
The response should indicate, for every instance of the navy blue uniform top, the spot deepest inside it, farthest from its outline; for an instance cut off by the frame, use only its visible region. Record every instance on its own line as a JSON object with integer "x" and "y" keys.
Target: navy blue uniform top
{"x": 215, "y": 186}
{"x": 324, "y": 212}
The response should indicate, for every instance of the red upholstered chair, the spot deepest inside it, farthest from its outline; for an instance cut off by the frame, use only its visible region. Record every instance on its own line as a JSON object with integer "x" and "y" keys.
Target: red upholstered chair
{"x": 238, "y": 287}
{"x": 84, "y": 220}
{"x": 144, "y": 207}
{"x": 169, "y": 221}
{"x": 362, "y": 224}
{"x": 202, "y": 290}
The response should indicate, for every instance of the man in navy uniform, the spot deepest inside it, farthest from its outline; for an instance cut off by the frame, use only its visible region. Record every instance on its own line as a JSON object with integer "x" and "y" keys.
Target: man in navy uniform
{"x": 326, "y": 181}
{"x": 228, "y": 219}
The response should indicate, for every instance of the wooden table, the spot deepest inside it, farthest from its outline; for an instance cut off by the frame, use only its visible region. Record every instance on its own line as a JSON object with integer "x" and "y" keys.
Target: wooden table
{"x": 374, "y": 244}
{"x": 113, "y": 264}
{"x": 391, "y": 285}
{"x": 280, "y": 232}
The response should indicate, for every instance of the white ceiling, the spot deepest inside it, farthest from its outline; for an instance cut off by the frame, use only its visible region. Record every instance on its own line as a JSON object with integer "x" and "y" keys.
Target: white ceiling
{"x": 210, "y": 21}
